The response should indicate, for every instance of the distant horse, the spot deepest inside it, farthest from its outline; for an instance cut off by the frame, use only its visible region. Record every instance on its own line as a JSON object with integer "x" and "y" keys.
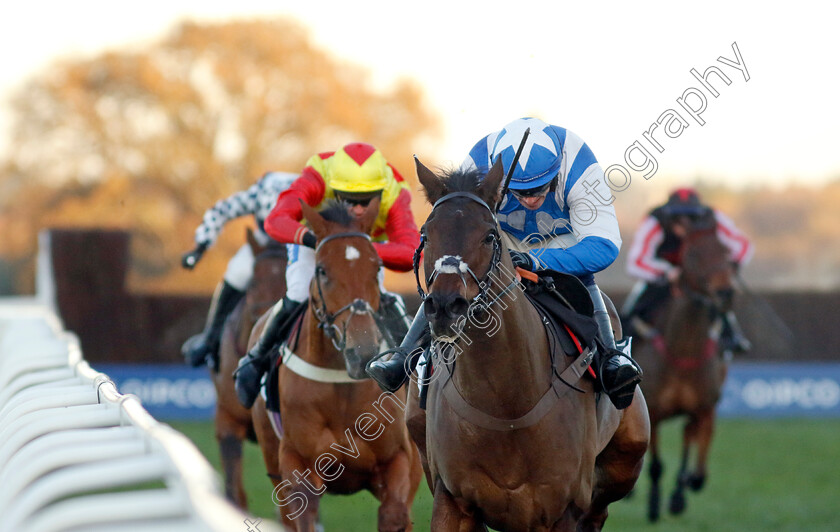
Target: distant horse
{"x": 233, "y": 421}
{"x": 684, "y": 371}
{"x": 507, "y": 443}
{"x": 340, "y": 433}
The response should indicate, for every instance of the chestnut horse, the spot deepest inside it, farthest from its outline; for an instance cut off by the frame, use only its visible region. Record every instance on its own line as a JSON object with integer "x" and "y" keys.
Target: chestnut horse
{"x": 340, "y": 433}
{"x": 233, "y": 421}
{"x": 507, "y": 443}
{"x": 684, "y": 372}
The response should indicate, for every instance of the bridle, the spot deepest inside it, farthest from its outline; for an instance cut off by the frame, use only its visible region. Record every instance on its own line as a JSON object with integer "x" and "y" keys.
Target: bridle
{"x": 454, "y": 264}
{"x": 700, "y": 294}
{"x": 326, "y": 319}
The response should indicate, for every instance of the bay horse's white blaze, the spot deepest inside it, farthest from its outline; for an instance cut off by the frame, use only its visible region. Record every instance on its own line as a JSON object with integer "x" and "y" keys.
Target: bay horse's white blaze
{"x": 442, "y": 267}
{"x": 351, "y": 253}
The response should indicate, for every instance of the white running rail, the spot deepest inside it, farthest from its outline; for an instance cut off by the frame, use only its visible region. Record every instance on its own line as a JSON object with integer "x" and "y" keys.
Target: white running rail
{"x": 76, "y": 455}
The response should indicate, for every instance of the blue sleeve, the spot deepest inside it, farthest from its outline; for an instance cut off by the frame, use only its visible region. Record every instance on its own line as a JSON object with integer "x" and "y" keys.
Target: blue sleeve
{"x": 590, "y": 255}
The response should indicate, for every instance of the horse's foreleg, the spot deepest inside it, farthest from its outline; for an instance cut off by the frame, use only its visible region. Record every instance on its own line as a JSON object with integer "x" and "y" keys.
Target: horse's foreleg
{"x": 655, "y": 472}
{"x": 267, "y": 438}
{"x": 677, "y": 503}
{"x": 415, "y": 420}
{"x": 229, "y": 435}
{"x": 396, "y": 495}
{"x": 620, "y": 463}
{"x": 447, "y": 516}
{"x": 705, "y": 430}
{"x": 299, "y": 493}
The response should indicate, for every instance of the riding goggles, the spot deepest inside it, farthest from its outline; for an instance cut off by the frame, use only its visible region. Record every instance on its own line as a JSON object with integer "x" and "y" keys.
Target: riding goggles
{"x": 356, "y": 198}
{"x": 532, "y": 192}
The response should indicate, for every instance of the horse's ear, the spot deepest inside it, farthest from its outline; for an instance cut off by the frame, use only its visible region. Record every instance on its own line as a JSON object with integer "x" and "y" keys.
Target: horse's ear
{"x": 256, "y": 248}
{"x": 315, "y": 220}
{"x": 369, "y": 217}
{"x": 433, "y": 186}
{"x": 490, "y": 189}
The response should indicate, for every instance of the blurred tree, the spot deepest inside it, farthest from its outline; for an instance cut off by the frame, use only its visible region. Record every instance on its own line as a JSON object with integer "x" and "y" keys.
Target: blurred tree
{"x": 148, "y": 139}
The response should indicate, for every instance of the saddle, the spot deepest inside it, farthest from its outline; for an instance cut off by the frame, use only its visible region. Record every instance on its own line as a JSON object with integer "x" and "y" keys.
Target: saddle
{"x": 566, "y": 309}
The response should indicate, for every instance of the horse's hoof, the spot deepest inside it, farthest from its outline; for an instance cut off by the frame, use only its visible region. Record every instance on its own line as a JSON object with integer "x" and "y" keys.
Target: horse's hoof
{"x": 696, "y": 482}
{"x": 677, "y": 504}
{"x": 653, "y": 509}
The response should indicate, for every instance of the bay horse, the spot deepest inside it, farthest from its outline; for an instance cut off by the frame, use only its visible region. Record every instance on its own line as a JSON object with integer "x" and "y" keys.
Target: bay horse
{"x": 505, "y": 443}
{"x": 340, "y": 433}
{"x": 234, "y": 423}
{"x": 684, "y": 371}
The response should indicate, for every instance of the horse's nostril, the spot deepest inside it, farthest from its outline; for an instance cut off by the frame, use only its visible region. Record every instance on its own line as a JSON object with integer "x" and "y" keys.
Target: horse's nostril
{"x": 457, "y": 306}
{"x": 429, "y": 306}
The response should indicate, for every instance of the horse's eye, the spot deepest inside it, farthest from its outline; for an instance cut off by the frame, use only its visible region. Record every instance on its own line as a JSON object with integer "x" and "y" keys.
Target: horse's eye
{"x": 490, "y": 238}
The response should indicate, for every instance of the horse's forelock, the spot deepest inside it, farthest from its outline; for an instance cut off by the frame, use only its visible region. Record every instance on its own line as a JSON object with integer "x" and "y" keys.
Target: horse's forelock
{"x": 462, "y": 180}
{"x": 338, "y": 212}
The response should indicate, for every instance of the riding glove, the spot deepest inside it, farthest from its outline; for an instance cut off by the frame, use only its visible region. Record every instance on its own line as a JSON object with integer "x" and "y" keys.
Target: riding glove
{"x": 522, "y": 260}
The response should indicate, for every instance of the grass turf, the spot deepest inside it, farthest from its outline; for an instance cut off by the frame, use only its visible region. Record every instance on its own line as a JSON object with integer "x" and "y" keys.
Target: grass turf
{"x": 779, "y": 475}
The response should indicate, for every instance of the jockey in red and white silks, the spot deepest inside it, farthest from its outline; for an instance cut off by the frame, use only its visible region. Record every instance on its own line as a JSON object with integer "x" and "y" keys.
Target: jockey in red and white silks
{"x": 650, "y": 258}
{"x": 654, "y": 257}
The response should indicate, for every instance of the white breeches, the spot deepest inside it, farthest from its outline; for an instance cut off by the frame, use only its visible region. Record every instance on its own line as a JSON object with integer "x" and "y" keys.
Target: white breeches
{"x": 301, "y": 269}
{"x": 240, "y": 268}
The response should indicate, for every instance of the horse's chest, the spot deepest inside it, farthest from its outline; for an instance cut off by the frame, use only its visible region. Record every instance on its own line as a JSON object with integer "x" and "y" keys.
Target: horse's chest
{"x": 522, "y": 480}
{"x": 688, "y": 395}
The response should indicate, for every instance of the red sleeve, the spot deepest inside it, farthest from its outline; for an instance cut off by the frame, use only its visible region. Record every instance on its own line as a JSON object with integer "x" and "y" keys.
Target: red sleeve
{"x": 283, "y": 222}
{"x": 403, "y": 237}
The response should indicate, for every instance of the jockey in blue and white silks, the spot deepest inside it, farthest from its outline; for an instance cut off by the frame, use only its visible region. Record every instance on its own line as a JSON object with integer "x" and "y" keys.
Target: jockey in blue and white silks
{"x": 574, "y": 230}
{"x": 558, "y": 212}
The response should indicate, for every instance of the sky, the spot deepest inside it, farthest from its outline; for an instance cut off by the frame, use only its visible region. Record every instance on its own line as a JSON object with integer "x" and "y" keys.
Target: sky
{"x": 605, "y": 70}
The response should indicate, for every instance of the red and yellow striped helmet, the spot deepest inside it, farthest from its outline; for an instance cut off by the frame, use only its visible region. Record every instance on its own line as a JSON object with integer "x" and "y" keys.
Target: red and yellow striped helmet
{"x": 358, "y": 167}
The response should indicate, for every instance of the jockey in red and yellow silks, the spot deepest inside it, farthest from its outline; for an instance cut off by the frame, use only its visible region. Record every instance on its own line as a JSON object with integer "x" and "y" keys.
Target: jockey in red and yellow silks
{"x": 354, "y": 170}
{"x": 356, "y": 174}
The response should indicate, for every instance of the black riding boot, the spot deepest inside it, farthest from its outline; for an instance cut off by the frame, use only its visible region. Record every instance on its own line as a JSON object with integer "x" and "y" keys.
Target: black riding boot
{"x": 254, "y": 364}
{"x": 205, "y": 344}
{"x": 619, "y": 374}
{"x": 731, "y": 337}
{"x": 391, "y": 374}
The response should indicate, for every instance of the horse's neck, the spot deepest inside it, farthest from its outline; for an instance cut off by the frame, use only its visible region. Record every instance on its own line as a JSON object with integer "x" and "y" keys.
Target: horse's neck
{"x": 313, "y": 346}
{"x": 686, "y": 326}
{"x": 508, "y": 370}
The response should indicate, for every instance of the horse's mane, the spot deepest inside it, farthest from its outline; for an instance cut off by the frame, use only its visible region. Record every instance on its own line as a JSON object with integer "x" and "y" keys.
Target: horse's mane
{"x": 337, "y": 212}
{"x": 461, "y": 180}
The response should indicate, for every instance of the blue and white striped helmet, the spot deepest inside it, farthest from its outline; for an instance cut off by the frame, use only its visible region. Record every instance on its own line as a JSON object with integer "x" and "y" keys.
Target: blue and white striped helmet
{"x": 541, "y": 156}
